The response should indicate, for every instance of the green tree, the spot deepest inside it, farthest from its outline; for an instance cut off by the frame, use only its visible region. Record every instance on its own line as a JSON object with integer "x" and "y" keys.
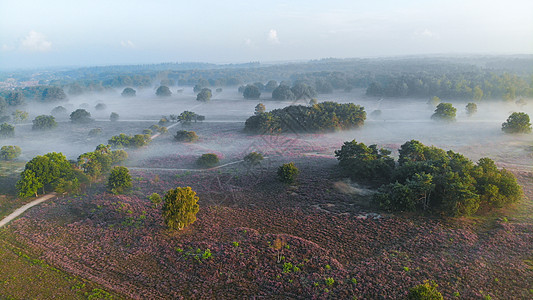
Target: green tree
{"x": 207, "y": 160}
{"x": 59, "y": 111}
{"x": 44, "y": 122}
{"x": 260, "y": 108}
{"x": 7, "y": 130}
{"x": 119, "y": 180}
{"x": 186, "y": 136}
{"x": 287, "y": 173}
{"x": 128, "y": 92}
{"x": 271, "y": 86}
{"x": 517, "y": 122}
{"x": 477, "y": 93}
{"x": 29, "y": 184}
{"x": 471, "y": 108}
{"x": 444, "y": 112}
{"x": 204, "y": 95}
{"x": 283, "y": 92}
{"x": 44, "y": 171}
{"x": 53, "y": 94}
{"x": 155, "y": 199}
{"x": 163, "y": 91}
{"x": 15, "y": 98}
{"x": 9, "y": 152}
{"x": 80, "y": 116}
{"x": 180, "y": 206}
{"x": 20, "y": 116}
{"x": 251, "y": 92}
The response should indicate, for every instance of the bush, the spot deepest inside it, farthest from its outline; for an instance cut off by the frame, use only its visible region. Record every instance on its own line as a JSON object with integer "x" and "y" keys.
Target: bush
{"x": 155, "y": 199}
{"x": 44, "y": 123}
{"x": 287, "y": 173}
{"x": 186, "y": 136}
{"x": 113, "y": 117}
{"x": 7, "y": 130}
{"x": 518, "y": 122}
{"x": 253, "y": 158}
{"x": 207, "y": 160}
{"x": 180, "y": 206}
{"x": 119, "y": 180}
{"x": 426, "y": 291}
{"x": 9, "y": 152}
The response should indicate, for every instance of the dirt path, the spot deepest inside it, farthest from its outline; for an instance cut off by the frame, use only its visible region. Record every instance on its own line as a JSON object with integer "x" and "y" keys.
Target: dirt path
{"x": 25, "y": 207}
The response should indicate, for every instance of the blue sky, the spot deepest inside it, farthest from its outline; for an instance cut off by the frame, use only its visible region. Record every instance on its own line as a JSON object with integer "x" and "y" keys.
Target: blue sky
{"x": 76, "y": 33}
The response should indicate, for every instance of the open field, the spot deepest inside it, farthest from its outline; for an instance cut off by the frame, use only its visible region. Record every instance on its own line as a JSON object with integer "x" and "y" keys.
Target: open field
{"x": 119, "y": 242}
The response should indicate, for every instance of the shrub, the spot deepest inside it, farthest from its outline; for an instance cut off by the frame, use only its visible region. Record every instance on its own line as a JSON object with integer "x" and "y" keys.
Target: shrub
{"x": 426, "y": 291}
{"x": 287, "y": 173}
{"x": 9, "y": 152}
{"x": 253, "y": 158}
{"x": 7, "y": 130}
{"x": 518, "y": 122}
{"x": 113, "y": 117}
{"x": 186, "y": 136}
{"x": 119, "y": 180}
{"x": 155, "y": 199}
{"x": 180, "y": 207}
{"x": 207, "y": 160}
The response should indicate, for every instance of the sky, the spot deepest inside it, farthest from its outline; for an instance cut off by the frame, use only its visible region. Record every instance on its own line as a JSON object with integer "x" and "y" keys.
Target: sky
{"x": 54, "y": 33}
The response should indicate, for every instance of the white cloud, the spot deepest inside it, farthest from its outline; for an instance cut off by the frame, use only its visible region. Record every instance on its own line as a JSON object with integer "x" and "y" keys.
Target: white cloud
{"x": 127, "y": 44}
{"x": 6, "y": 48}
{"x": 426, "y": 33}
{"x": 36, "y": 41}
{"x": 273, "y": 37}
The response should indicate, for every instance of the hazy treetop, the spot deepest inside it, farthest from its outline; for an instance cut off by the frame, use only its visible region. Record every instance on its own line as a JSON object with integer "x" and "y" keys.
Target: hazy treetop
{"x": 97, "y": 32}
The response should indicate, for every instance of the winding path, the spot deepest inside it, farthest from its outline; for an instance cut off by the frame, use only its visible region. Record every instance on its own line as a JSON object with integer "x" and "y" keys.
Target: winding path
{"x": 25, "y": 207}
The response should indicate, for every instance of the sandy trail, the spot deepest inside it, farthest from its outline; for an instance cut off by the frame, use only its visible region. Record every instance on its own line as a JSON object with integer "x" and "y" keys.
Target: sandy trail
{"x": 25, "y": 207}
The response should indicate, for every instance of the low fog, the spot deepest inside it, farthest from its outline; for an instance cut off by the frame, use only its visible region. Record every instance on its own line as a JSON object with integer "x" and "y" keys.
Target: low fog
{"x": 222, "y": 131}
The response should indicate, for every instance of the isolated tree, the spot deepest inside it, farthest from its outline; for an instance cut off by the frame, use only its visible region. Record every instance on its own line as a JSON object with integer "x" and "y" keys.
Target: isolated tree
{"x": 189, "y": 116}
{"x": 251, "y": 92}
{"x": 444, "y": 112}
{"x": 113, "y": 117}
{"x": 9, "y": 152}
{"x": 58, "y": 111}
{"x": 129, "y": 92}
{"x": 471, "y": 108}
{"x": 283, "y": 92}
{"x": 100, "y": 106}
{"x": 186, "y": 136}
{"x": 163, "y": 91}
{"x": 44, "y": 122}
{"x": 44, "y": 171}
{"x": 207, "y": 160}
{"x": 7, "y": 130}
{"x": 204, "y": 95}
{"x": 80, "y": 116}
{"x": 180, "y": 206}
{"x": 155, "y": 199}
{"x": 119, "y": 180}
{"x": 517, "y": 122}
{"x": 287, "y": 173}
{"x": 15, "y": 98}
{"x": 253, "y": 158}
{"x": 53, "y": 94}
{"x": 260, "y": 108}
{"x": 20, "y": 116}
